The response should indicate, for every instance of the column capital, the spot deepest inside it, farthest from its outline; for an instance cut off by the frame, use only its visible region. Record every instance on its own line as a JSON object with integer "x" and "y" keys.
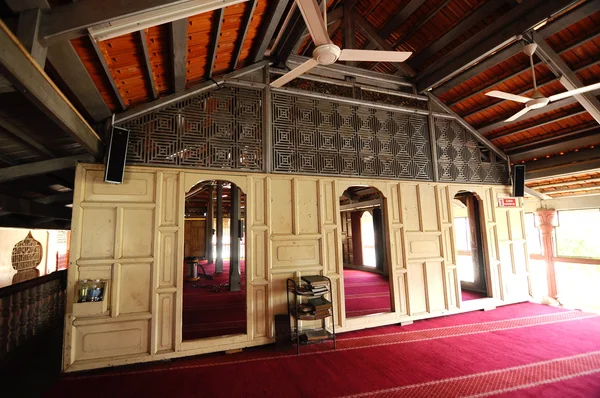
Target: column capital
{"x": 545, "y": 219}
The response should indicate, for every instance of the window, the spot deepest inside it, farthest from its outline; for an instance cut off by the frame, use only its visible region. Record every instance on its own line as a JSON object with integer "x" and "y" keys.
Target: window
{"x": 577, "y": 233}
{"x": 534, "y": 242}
{"x": 463, "y": 235}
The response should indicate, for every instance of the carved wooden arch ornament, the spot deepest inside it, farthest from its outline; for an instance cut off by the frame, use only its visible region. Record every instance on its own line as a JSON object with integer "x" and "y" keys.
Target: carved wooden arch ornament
{"x": 26, "y": 256}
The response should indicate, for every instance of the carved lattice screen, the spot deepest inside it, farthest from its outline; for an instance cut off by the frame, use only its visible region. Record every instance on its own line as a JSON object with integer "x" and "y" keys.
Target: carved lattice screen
{"x": 320, "y": 136}
{"x": 460, "y": 158}
{"x": 220, "y": 129}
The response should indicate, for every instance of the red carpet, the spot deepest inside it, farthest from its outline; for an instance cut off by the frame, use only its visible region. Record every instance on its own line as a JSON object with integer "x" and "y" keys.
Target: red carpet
{"x": 212, "y": 310}
{"x": 366, "y": 293}
{"x": 468, "y": 295}
{"x": 521, "y": 350}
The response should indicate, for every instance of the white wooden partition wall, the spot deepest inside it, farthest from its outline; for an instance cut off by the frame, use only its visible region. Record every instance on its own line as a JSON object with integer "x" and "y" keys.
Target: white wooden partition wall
{"x": 132, "y": 235}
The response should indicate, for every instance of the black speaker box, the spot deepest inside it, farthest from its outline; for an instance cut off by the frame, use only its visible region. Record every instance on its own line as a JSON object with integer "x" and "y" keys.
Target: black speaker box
{"x": 519, "y": 181}
{"x": 117, "y": 153}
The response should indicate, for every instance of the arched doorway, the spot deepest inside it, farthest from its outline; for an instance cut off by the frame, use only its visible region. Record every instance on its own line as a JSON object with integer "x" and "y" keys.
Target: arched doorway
{"x": 364, "y": 243}
{"x": 468, "y": 229}
{"x": 214, "y": 294}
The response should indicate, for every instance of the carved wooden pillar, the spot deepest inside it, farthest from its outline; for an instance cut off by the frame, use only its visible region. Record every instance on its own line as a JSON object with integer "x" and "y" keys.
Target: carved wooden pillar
{"x": 43, "y": 312}
{"x": 22, "y": 328}
{"x": 39, "y": 299}
{"x": 30, "y": 323}
{"x": 4, "y": 324}
{"x": 219, "y": 261}
{"x": 545, "y": 218}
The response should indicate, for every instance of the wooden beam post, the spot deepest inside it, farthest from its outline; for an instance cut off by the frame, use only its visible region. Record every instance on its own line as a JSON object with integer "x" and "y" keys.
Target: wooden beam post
{"x": 179, "y": 53}
{"x": 26, "y": 74}
{"x": 234, "y": 256}
{"x": 28, "y": 33}
{"x": 108, "y": 74}
{"x": 219, "y": 261}
{"x": 209, "y": 226}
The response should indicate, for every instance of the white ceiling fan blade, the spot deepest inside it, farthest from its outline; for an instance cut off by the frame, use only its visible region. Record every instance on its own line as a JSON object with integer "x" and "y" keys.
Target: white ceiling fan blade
{"x": 294, "y": 73}
{"x": 507, "y": 96}
{"x": 314, "y": 21}
{"x": 517, "y": 115}
{"x": 374, "y": 55}
{"x": 569, "y": 93}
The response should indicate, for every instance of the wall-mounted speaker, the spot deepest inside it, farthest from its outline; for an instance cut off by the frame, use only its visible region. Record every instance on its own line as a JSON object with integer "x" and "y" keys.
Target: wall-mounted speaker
{"x": 519, "y": 181}
{"x": 117, "y": 154}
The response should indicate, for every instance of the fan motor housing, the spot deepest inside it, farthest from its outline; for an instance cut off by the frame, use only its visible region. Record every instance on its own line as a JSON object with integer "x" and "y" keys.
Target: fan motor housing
{"x": 537, "y": 103}
{"x": 327, "y": 54}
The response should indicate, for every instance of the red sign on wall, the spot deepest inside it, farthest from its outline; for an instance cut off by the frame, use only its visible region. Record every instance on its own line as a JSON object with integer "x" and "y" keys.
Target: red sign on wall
{"x": 507, "y": 202}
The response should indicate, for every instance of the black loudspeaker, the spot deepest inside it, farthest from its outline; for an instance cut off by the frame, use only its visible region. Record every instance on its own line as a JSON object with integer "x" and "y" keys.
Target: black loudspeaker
{"x": 519, "y": 181}
{"x": 117, "y": 152}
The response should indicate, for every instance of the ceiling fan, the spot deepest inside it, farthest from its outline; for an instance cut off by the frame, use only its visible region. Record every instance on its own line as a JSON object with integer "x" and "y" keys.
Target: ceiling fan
{"x": 325, "y": 52}
{"x": 537, "y": 100}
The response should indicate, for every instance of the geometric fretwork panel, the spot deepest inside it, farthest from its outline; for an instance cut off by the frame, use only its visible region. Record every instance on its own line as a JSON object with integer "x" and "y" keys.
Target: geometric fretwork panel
{"x": 221, "y": 129}
{"x": 461, "y": 158}
{"x": 321, "y": 136}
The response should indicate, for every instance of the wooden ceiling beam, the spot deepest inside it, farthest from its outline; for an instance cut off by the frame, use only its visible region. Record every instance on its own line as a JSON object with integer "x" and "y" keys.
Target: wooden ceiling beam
{"x": 110, "y": 18}
{"x": 536, "y": 112}
{"x": 268, "y": 29}
{"x": 467, "y": 126}
{"x": 374, "y": 37}
{"x": 463, "y": 26}
{"x": 22, "y": 133}
{"x": 535, "y": 126}
{"x": 517, "y": 73}
{"x": 31, "y": 208}
{"x": 557, "y": 146}
{"x": 567, "y": 183}
{"x": 536, "y": 194}
{"x": 502, "y": 32}
{"x": 573, "y": 162}
{"x": 400, "y": 17}
{"x": 567, "y": 77}
{"x": 349, "y": 30}
{"x": 148, "y": 64}
{"x": 107, "y": 73}
{"x": 573, "y": 16}
{"x": 70, "y": 68}
{"x": 42, "y": 167}
{"x": 575, "y": 189}
{"x": 28, "y": 33}
{"x": 178, "y": 45}
{"x": 215, "y": 35}
{"x": 540, "y": 84}
{"x": 25, "y": 74}
{"x": 416, "y": 28}
{"x": 62, "y": 197}
{"x": 242, "y": 37}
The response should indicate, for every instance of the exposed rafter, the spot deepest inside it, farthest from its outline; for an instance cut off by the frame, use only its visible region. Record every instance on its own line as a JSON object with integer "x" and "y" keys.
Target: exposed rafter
{"x": 216, "y": 35}
{"x": 568, "y": 78}
{"x": 573, "y": 162}
{"x": 28, "y": 33}
{"x": 111, "y": 18}
{"x": 31, "y": 208}
{"x": 25, "y": 74}
{"x": 502, "y": 32}
{"x": 70, "y": 68}
{"x": 533, "y": 192}
{"x": 467, "y": 23}
{"x": 416, "y": 28}
{"x": 400, "y": 17}
{"x": 23, "y": 133}
{"x": 148, "y": 64}
{"x": 381, "y": 43}
{"x": 268, "y": 28}
{"x": 40, "y": 168}
{"x": 557, "y": 146}
{"x": 582, "y": 11}
{"x": 178, "y": 45}
{"x": 107, "y": 73}
{"x": 567, "y": 183}
{"x": 244, "y": 31}
{"x": 349, "y": 30}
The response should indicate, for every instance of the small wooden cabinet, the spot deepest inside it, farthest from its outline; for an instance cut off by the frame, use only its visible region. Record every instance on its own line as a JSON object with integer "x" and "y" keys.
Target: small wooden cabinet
{"x": 299, "y": 298}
